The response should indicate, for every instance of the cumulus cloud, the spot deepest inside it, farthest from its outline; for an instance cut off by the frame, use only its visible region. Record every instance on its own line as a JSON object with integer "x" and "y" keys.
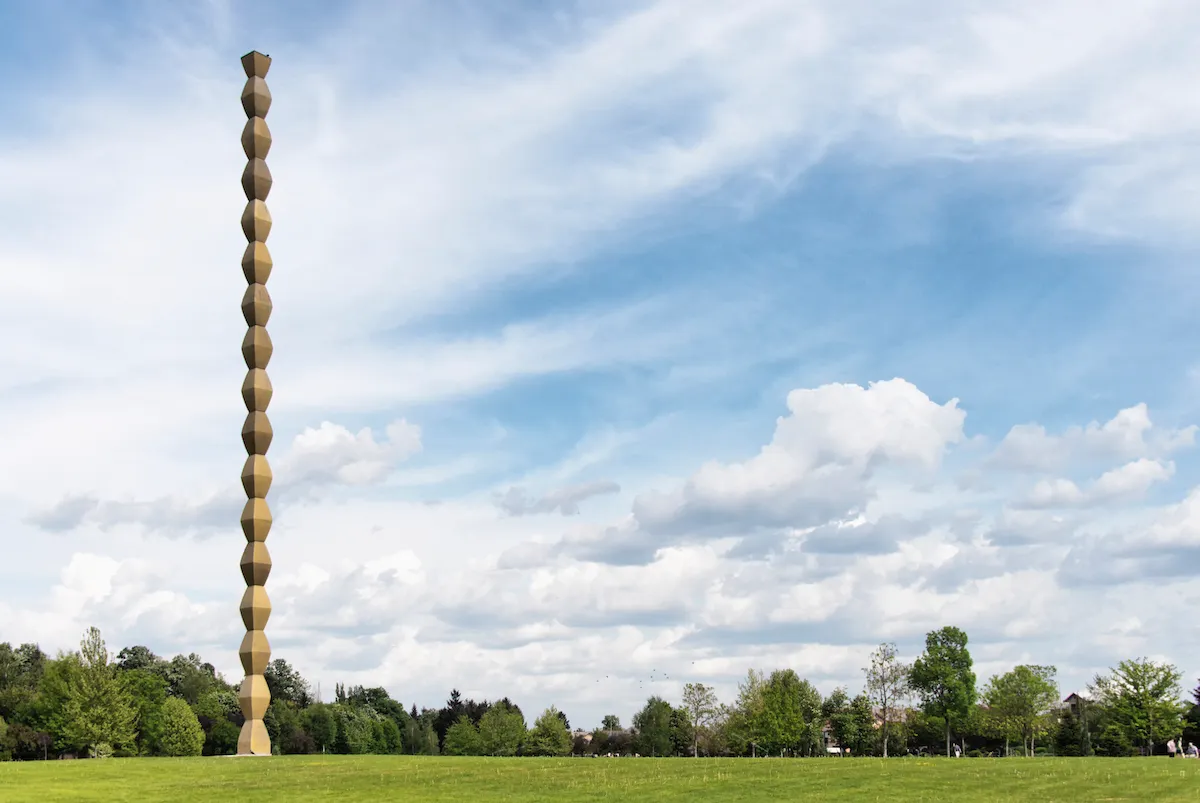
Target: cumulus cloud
{"x": 331, "y": 453}
{"x": 1129, "y": 435}
{"x": 140, "y": 599}
{"x": 816, "y": 469}
{"x": 1130, "y": 481}
{"x": 537, "y": 617}
{"x": 1157, "y": 546}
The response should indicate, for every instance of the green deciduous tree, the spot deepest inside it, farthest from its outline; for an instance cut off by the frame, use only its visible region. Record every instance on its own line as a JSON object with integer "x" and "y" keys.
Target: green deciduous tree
{"x": 355, "y": 733}
{"x": 862, "y": 717}
{"x": 611, "y": 722}
{"x": 48, "y": 709}
{"x": 147, "y": 692}
{"x": 745, "y": 714}
{"x": 653, "y": 726}
{"x": 381, "y": 703}
{"x": 319, "y": 722}
{"x": 836, "y": 709}
{"x": 781, "y": 722}
{"x": 219, "y": 707}
{"x": 140, "y": 657}
{"x": 282, "y": 722}
{"x": 286, "y": 684}
{"x": 419, "y": 736}
{"x": 218, "y": 704}
{"x": 715, "y": 738}
{"x": 700, "y": 702}
{"x": 683, "y": 732}
{"x": 549, "y": 735}
{"x": 223, "y": 738}
{"x": 812, "y": 741}
{"x": 944, "y": 678}
{"x": 1191, "y": 719}
{"x": 189, "y": 677}
{"x": 502, "y": 730}
{"x": 887, "y": 687}
{"x": 98, "y": 708}
{"x": 181, "y": 734}
{"x": 1142, "y": 698}
{"x": 462, "y": 738}
{"x": 851, "y": 721}
{"x": 20, "y": 676}
{"x": 393, "y": 738}
{"x": 1021, "y": 702}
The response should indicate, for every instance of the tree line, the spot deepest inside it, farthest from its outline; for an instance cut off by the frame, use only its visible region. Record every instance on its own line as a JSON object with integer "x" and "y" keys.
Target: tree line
{"x": 87, "y": 703}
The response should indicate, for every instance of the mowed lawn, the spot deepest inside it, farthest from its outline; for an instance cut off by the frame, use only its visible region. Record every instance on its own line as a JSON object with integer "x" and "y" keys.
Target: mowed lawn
{"x": 477, "y": 780}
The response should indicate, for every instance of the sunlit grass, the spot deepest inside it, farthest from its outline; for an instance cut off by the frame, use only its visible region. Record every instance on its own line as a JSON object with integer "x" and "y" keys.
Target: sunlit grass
{"x": 477, "y": 780}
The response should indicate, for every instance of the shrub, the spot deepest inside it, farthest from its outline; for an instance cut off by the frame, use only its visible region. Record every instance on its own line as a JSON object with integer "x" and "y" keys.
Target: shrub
{"x": 181, "y": 733}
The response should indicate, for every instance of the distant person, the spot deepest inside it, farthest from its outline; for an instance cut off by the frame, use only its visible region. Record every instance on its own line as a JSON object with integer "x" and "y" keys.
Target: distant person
{"x": 1192, "y": 751}
{"x": 957, "y": 751}
{"x": 1170, "y": 748}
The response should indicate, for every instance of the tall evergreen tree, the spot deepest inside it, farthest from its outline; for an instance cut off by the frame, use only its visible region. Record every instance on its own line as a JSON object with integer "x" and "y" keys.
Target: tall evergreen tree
{"x": 454, "y": 708}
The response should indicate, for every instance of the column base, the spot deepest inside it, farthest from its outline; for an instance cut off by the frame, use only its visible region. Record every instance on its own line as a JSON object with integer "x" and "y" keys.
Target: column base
{"x": 253, "y": 740}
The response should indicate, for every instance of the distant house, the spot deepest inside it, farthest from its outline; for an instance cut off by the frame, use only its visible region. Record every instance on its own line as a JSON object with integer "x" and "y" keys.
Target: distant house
{"x": 1074, "y": 703}
{"x": 899, "y": 714}
{"x": 827, "y": 735}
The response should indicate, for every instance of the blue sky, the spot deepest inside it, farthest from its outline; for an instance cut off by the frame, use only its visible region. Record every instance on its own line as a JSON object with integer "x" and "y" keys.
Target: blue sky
{"x": 578, "y": 256}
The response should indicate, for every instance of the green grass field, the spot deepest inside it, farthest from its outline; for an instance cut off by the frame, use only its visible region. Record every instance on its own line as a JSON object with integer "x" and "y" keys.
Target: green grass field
{"x": 477, "y": 780}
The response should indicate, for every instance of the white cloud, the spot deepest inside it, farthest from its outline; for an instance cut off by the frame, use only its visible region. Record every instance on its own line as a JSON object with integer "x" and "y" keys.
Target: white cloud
{"x": 1130, "y": 435}
{"x": 1130, "y": 481}
{"x": 1056, "y": 493}
{"x": 424, "y": 597}
{"x": 318, "y": 458}
{"x": 815, "y": 467}
{"x": 565, "y": 500}
{"x": 331, "y": 453}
